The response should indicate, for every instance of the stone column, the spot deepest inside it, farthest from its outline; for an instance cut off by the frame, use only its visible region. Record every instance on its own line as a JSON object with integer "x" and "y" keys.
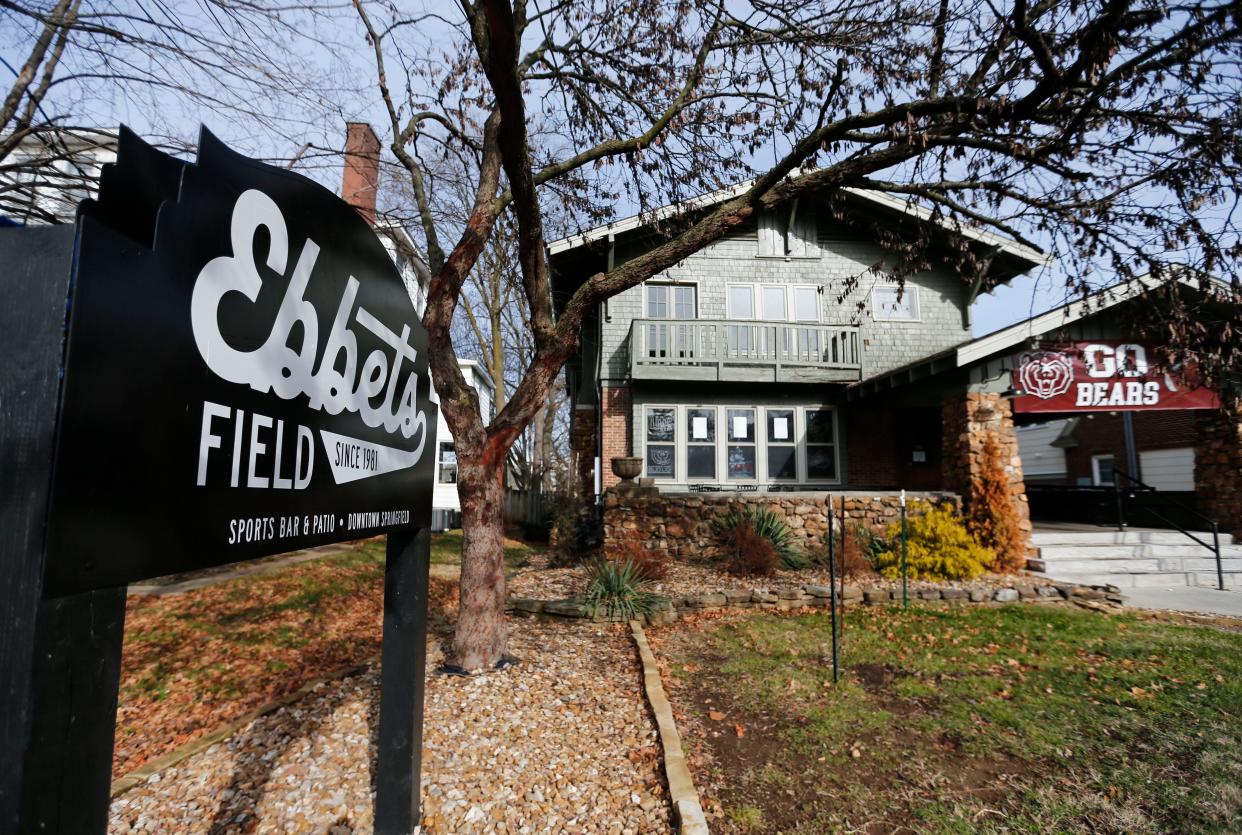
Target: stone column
{"x": 583, "y": 440}
{"x": 968, "y": 419}
{"x": 1218, "y": 467}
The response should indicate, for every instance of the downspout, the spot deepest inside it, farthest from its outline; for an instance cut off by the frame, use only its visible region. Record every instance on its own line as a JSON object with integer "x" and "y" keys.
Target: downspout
{"x": 599, "y": 371}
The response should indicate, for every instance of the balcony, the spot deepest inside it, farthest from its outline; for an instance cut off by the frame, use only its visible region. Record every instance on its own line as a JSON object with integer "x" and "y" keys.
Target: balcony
{"x": 771, "y": 352}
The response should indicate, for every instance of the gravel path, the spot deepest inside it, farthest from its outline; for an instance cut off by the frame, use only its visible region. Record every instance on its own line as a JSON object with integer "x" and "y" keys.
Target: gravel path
{"x": 561, "y": 742}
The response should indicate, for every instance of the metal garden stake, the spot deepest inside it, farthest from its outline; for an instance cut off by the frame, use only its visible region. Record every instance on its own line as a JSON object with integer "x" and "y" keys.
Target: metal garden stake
{"x": 905, "y": 600}
{"x": 832, "y": 587}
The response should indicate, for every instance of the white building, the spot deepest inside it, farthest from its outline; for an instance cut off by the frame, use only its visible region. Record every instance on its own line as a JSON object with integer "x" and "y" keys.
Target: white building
{"x": 43, "y": 179}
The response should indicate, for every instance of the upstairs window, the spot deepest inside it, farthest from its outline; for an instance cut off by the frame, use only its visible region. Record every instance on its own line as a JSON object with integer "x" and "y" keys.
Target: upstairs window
{"x": 666, "y": 301}
{"x": 886, "y": 307}
{"x": 788, "y": 232}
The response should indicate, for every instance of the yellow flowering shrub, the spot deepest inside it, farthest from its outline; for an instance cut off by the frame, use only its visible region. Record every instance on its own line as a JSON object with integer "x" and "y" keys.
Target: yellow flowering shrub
{"x": 938, "y": 547}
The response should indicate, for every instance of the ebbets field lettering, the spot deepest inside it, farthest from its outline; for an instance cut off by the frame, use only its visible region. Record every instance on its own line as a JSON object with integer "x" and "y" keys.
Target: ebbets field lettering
{"x": 294, "y": 393}
{"x": 285, "y": 365}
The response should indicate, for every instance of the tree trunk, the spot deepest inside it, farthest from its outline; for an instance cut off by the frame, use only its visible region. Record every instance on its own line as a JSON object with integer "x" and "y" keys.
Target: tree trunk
{"x": 480, "y": 638}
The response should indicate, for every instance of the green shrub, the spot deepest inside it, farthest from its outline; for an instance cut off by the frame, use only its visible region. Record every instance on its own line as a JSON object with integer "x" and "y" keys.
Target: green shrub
{"x": 768, "y": 524}
{"x": 618, "y": 589}
{"x": 747, "y": 554}
{"x": 938, "y": 547}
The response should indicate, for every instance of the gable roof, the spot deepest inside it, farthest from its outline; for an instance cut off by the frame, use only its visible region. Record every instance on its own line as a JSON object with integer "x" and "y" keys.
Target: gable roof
{"x": 1007, "y": 339}
{"x": 888, "y": 202}
{"x": 1097, "y": 302}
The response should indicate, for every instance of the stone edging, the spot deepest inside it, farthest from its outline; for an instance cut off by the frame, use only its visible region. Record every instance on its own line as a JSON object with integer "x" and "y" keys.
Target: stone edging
{"x": 684, "y": 797}
{"x": 669, "y": 610}
{"x": 143, "y": 773}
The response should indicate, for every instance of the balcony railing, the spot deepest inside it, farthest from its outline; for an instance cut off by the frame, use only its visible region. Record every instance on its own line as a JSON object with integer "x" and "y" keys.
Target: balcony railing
{"x": 706, "y": 349}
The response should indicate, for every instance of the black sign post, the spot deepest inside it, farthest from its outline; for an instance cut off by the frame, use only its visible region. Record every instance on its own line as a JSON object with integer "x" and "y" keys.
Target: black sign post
{"x": 218, "y": 362}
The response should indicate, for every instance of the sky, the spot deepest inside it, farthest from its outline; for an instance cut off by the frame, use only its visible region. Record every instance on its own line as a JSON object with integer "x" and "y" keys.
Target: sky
{"x": 344, "y": 60}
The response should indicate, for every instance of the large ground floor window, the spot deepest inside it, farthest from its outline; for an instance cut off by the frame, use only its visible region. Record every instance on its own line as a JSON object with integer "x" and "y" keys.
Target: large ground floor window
{"x": 724, "y": 444}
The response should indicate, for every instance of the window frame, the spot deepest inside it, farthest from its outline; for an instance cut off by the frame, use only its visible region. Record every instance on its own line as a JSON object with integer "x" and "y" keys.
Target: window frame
{"x": 911, "y": 290}
{"x": 793, "y": 307}
{"x": 671, "y": 302}
{"x": 793, "y": 443}
{"x": 806, "y": 444}
{"x": 647, "y": 409}
{"x": 714, "y": 443}
{"x": 1096, "y": 481}
{"x": 784, "y": 291}
{"x": 753, "y": 443}
{"x": 730, "y": 313}
{"x": 441, "y": 464}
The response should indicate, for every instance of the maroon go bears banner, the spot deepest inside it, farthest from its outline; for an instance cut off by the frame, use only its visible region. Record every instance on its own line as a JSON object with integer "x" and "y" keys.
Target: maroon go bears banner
{"x": 1100, "y": 376}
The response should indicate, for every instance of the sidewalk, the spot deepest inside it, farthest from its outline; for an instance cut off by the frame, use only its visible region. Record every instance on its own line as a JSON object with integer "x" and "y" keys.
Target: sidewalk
{"x": 1189, "y": 599}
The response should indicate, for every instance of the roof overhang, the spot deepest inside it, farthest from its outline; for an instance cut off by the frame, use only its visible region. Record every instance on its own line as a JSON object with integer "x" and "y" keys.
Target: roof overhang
{"x": 1033, "y": 257}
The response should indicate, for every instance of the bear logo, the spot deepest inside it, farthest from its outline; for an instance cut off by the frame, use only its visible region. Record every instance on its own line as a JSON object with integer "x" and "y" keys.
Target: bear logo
{"x": 1045, "y": 374}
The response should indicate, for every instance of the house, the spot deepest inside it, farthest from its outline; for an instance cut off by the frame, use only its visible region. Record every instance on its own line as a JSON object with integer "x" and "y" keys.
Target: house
{"x": 730, "y": 370}
{"x": 782, "y": 366}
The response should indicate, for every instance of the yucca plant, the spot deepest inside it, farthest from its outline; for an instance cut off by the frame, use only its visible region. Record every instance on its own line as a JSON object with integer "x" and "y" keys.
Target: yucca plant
{"x": 618, "y": 589}
{"x": 769, "y": 525}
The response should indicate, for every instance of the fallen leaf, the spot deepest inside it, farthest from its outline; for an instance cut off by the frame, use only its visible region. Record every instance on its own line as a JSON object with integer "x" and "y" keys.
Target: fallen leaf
{"x": 715, "y": 715}
{"x": 739, "y": 730}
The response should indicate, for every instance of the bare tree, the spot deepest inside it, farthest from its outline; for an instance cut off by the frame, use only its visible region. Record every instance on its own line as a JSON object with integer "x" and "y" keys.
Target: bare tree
{"x": 81, "y": 65}
{"x": 1106, "y": 129}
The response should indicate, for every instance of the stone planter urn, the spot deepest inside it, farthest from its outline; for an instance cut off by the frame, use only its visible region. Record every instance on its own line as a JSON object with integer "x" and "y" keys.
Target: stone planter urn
{"x": 627, "y": 469}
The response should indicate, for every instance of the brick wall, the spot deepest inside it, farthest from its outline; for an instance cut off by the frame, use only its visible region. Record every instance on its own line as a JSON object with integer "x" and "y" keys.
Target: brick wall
{"x": 880, "y": 443}
{"x": 1218, "y": 467}
{"x": 871, "y": 448}
{"x": 616, "y": 424}
{"x": 968, "y": 419}
{"x": 682, "y": 525}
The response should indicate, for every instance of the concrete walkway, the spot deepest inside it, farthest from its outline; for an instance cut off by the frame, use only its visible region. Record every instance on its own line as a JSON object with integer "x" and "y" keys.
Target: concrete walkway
{"x": 1186, "y": 599}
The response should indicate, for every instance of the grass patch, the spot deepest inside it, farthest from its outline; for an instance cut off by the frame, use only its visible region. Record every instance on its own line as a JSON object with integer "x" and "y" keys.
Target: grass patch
{"x": 446, "y": 550}
{"x": 979, "y": 719}
{"x": 195, "y": 660}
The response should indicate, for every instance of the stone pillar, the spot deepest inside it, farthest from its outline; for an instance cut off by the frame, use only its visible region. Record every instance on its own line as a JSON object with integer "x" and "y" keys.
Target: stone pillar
{"x": 1218, "y": 467}
{"x": 615, "y": 429}
{"x": 968, "y": 419}
{"x": 583, "y": 443}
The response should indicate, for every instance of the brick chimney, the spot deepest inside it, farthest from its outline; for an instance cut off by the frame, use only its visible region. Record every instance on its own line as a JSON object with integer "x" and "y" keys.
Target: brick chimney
{"x": 361, "y": 169}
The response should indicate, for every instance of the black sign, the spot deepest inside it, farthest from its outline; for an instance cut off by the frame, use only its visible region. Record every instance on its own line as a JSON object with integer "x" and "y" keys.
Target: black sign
{"x": 245, "y": 374}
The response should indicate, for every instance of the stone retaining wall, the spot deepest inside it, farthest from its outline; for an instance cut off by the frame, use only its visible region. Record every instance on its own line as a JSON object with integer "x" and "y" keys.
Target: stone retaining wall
{"x": 682, "y": 524}
{"x": 788, "y": 599}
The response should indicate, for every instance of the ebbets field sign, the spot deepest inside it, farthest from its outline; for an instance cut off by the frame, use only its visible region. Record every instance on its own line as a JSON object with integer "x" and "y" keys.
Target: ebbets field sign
{"x": 218, "y": 361}
{"x": 246, "y": 374}
{"x": 1100, "y": 376}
